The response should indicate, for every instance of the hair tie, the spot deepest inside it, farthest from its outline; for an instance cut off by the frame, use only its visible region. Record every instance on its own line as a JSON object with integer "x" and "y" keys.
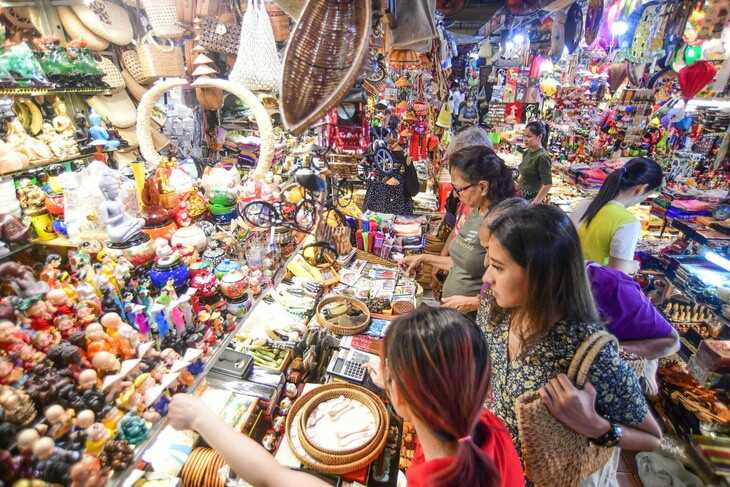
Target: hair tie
{"x": 464, "y": 439}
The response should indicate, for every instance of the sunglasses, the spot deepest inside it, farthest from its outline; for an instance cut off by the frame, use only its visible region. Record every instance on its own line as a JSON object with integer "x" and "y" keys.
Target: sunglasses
{"x": 459, "y": 191}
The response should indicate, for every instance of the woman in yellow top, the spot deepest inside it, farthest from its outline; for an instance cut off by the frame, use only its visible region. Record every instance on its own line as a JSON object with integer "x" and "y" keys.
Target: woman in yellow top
{"x": 607, "y": 229}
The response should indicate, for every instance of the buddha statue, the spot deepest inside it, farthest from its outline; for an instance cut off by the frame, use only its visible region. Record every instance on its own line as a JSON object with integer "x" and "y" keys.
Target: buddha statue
{"x": 120, "y": 226}
{"x": 100, "y": 135}
{"x": 154, "y": 213}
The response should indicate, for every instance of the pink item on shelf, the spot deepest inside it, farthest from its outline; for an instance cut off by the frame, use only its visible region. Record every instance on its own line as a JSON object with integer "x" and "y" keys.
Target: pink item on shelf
{"x": 691, "y": 205}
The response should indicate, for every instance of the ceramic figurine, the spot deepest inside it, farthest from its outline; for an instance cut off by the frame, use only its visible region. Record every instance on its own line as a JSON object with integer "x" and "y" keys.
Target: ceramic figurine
{"x": 96, "y": 436}
{"x": 98, "y": 341}
{"x": 132, "y": 429}
{"x": 12, "y": 338}
{"x": 59, "y": 422}
{"x": 21, "y": 280}
{"x": 26, "y": 440}
{"x": 9, "y": 373}
{"x": 88, "y": 379}
{"x": 60, "y": 302}
{"x": 87, "y": 472}
{"x": 127, "y": 340}
{"x": 18, "y": 406}
{"x": 52, "y": 463}
{"x": 105, "y": 362}
{"x": 99, "y": 135}
{"x": 269, "y": 440}
{"x": 111, "y": 323}
{"x": 120, "y": 226}
{"x": 39, "y": 315}
{"x": 117, "y": 455}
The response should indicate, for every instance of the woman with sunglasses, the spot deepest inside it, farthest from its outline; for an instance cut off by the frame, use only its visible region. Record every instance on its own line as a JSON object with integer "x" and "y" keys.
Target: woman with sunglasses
{"x": 480, "y": 180}
{"x": 436, "y": 374}
{"x": 536, "y": 313}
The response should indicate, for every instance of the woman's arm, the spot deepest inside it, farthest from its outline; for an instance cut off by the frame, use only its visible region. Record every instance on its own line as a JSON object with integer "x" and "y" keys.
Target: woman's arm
{"x": 653, "y": 348}
{"x": 576, "y": 409}
{"x": 542, "y": 194}
{"x": 623, "y": 246}
{"x": 247, "y": 458}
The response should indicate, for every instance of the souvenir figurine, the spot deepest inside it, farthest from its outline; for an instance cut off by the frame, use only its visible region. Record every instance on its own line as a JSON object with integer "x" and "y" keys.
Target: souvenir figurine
{"x": 18, "y": 406}
{"x": 77, "y": 437}
{"x": 269, "y": 440}
{"x": 111, "y": 323}
{"x": 132, "y": 429}
{"x": 44, "y": 340}
{"x": 87, "y": 472}
{"x": 51, "y": 271}
{"x": 59, "y": 422}
{"x": 120, "y": 226}
{"x": 52, "y": 463}
{"x": 9, "y": 373}
{"x": 60, "y": 302}
{"x": 39, "y": 315}
{"x": 88, "y": 379}
{"x": 12, "y": 338}
{"x": 22, "y": 280}
{"x": 26, "y": 440}
{"x": 97, "y": 341}
{"x": 105, "y": 362}
{"x": 96, "y": 437}
{"x": 65, "y": 325}
{"x": 117, "y": 455}
{"x": 99, "y": 135}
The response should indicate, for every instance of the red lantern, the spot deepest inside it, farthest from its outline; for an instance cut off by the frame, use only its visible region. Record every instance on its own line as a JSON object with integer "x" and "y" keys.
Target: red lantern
{"x": 695, "y": 77}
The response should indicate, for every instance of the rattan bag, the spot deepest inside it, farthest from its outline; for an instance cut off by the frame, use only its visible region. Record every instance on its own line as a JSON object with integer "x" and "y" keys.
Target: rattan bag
{"x": 130, "y": 61}
{"x": 112, "y": 75}
{"x": 219, "y": 36}
{"x": 553, "y": 454}
{"x": 162, "y": 15}
{"x": 160, "y": 60}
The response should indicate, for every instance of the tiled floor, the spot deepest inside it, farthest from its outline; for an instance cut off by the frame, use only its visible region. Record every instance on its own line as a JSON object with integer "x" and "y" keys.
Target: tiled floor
{"x": 627, "y": 475}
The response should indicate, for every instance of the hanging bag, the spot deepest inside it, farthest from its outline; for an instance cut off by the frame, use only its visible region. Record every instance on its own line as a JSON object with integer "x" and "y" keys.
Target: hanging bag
{"x": 112, "y": 75}
{"x": 163, "y": 18}
{"x": 553, "y": 454}
{"x": 257, "y": 65}
{"x": 219, "y": 36}
{"x": 160, "y": 60}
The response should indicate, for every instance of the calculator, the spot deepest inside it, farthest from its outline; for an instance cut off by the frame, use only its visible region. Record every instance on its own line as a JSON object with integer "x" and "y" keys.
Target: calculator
{"x": 348, "y": 364}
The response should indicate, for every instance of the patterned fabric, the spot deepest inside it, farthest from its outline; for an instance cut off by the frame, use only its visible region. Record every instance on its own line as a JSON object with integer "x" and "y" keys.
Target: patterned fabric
{"x": 619, "y": 397}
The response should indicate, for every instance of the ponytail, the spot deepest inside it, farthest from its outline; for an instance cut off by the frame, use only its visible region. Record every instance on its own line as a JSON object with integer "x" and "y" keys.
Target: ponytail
{"x": 480, "y": 163}
{"x": 438, "y": 362}
{"x": 638, "y": 171}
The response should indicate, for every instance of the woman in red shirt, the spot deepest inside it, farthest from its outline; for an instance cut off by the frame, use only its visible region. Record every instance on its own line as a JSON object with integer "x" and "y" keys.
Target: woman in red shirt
{"x": 436, "y": 374}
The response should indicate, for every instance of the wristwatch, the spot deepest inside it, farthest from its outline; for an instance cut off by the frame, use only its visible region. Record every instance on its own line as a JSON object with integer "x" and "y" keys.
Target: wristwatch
{"x": 609, "y": 438}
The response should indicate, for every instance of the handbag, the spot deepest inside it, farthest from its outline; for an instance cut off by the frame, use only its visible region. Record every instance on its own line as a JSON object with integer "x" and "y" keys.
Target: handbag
{"x": 163, "y": 17}
{"x": 553, "y": 454}
{"x": 257, "y": 65}
{"x": 218, "y": 36}
{"x": 130, "y": 61}
{"x": 112, "y": 75}
{"x": 160, "y": 60}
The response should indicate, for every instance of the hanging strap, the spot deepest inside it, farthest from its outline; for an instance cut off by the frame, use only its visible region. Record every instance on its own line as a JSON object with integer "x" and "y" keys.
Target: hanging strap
{"x": 586, "y": 355}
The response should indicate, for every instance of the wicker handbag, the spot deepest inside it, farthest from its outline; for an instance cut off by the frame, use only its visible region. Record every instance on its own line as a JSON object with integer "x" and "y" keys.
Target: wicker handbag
{"x": 160, "y": 60}
{"x": 162, "y": 15}
{"x": 553, "y": 454}
{"x": 112, "y": 75}
{"x": 257, "y": 66}
{"x": 218, "y": 36}
{"x": 130, "y": 61}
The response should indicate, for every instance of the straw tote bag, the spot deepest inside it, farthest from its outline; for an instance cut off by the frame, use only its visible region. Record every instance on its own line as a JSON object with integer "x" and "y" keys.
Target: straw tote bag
{"x": 76, "y": 30}
{"x": 163, "y": 18}
{"x": 160, "y": 60}
{"x": 219, "y": 36}
{"x": 553, "y": 454}
{"x": 257, "y": 65}
{"x": 112, "y": 75}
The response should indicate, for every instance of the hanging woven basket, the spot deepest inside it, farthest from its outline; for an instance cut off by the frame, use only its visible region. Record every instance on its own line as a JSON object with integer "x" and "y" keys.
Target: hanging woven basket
{"x": 323, "y": 59}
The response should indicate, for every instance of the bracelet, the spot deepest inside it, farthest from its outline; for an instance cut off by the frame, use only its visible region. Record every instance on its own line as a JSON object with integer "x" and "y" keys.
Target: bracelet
{"x": 610, "y": 438}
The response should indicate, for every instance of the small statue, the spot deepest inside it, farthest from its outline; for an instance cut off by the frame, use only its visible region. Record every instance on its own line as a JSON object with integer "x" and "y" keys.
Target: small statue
{"x": 117, "y": 455}
{"x": 120, "y": 226}
{"x": 18, "y": 406}
{"x": 88, "y": 473}
{"x": 62, "y": 122}
{"x": 59, "y": 421}
{"x": 39, "y": 315}
{"x": 132, "y": 429}
{"x": 154, "y": 214}
{"x": 22, "y": 280}
{"x": 106, "y": 362}
{"x": 26, "y": 440}
{"x": 82, "y": 136}
{"x": 96, "y": 436}
{"x": 51, "y": 271}
{"x": 100, "y": 135}
{"x": 88, "y": 379}
{"x": 32, "y": 148}
{"x": 12, "y": 338}
{"x": 52, "y": 463}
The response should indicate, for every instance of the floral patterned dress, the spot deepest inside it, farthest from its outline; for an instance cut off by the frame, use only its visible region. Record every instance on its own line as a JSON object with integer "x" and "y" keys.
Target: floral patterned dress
{"x": 619, "y": 398}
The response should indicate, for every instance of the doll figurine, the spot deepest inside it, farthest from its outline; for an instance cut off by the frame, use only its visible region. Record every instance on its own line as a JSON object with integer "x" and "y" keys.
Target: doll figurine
{"x": 99, "y": 135}
{"x": 96, "y": 436}
{"x": 21, "y": 280}
{"x": 18, "y": 406}
{"x": 12, "y": 338}
{"x": 60, "y": 302}
{"x": 77, "y": 437}
{"x": 132, "y": 429}
{"x": 51, "y": 271}
{"x": 52, "y": 463}
{"x": 44, "y": 340}
{"x": 87, "y": 472}
{"x": 87, "y": 312}
{"x": 127, "y": 340}
{"x": 88, "y": 380}
{"x": 40, "y": 315}
{"x": 9, "y": 373}
{"x": 111, "y": 323}
{"x": 97, "y": 341}
{"x": 120, "y": 226}
{"x": 59, "y": 422}
{"x": 66, "y": 325}
{"x": 26, "y": 440}
{"x": 117, "y": 455}
{"x": 105, "y": 362}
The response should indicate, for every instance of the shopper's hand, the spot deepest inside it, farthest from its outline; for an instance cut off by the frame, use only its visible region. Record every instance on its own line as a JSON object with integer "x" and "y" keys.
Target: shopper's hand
{"x": 573, "y": 407}
{"x": 411, "y": 263}
{"x": 462, "y": 304}
{"x": 374, "y": 368}
{"x": 185, "y": 410}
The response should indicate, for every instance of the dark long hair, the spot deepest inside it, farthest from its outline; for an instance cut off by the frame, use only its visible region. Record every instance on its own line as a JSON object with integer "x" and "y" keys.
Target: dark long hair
{"x": 543, "y": 241}
{"x": 480, "y": 163}
{"x": 439, "y": 362}
{"x": 639, "y": 170}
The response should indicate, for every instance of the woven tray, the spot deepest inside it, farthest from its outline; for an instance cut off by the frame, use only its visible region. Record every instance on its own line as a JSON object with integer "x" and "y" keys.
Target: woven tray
{"x": 296, "y": 409}
{"x": 342, "y": 457}
{"x": 343, "y": 330}
{"x": 373, "y": 259}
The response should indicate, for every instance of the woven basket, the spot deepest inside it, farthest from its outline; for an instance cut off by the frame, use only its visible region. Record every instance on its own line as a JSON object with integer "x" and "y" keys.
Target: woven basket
{"x": 553, "y": 454}
{"x": 343, "y": 330}
{"x": 292, "y": 422}
{"x": 112, "y": 75}
{"x": 332, "y": 457}
{"x": 323, "y": 59}
{"x": 343, "y": 165}
{"x": 130, "y": 61}
{"x": 158, "y": 60}
{"x": 162, "y": 15}
{"x": 219, "y": 36}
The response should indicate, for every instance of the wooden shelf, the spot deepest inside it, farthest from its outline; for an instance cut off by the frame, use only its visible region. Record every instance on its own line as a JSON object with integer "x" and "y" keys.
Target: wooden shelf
{"x": 42, "y": 91}
{"x": 56, "y": 242}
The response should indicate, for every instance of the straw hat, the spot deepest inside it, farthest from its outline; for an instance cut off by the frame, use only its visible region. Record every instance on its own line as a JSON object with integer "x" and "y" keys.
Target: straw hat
{"x": 116, "y": 108}
{"x": 77, "y": 30}
{"x": 323, "y": 59}
{"x": 107, "y": 20}
{"x": 293, "y": 8}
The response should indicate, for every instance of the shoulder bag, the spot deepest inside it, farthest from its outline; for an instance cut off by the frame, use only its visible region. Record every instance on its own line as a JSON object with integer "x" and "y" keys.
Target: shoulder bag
{"x": 553, "y": 454}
